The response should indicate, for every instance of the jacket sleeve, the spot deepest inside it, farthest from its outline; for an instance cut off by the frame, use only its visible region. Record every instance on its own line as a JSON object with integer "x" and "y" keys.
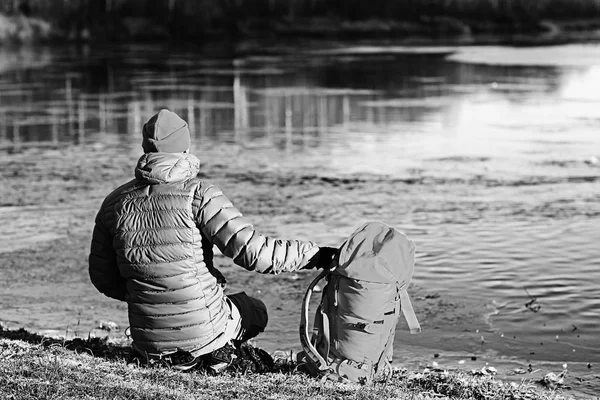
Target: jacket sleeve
{"x": 235, "y": 236}
{"x": 103, "y": 269}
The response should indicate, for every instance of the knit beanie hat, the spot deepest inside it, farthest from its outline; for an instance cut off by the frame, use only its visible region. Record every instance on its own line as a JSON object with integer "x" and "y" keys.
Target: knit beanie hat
{"x": 165, "y": 132}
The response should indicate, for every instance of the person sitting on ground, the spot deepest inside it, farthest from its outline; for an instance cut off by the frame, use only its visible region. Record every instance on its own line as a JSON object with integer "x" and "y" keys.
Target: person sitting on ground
{"x": 152, "y": 246}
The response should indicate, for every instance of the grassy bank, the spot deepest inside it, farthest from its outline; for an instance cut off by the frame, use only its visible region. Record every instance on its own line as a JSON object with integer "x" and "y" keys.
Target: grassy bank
{"x": 165, "y": 19}
{"x": 32, "y": 366}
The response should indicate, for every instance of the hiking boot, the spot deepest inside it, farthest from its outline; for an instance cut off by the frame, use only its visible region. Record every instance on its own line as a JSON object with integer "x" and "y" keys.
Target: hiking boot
{"x": 220, "y": 359}
{"x": 185, "y": 366}
{"x": 182, "y": 360}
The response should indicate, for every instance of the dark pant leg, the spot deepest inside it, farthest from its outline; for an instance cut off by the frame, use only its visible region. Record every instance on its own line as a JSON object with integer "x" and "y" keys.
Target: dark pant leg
{"x": 253, "y": 314}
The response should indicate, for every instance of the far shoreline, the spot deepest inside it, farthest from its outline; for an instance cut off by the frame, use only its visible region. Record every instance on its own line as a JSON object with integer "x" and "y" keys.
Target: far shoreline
{"x": 17, "y": 31}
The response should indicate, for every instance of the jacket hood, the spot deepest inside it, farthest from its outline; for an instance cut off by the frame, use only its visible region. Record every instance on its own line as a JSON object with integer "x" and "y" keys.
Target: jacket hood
{"x": 167, "y": 167}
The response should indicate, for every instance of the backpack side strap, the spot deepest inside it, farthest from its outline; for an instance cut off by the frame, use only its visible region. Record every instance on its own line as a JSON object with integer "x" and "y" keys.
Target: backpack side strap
{"x": 409, "y": 313}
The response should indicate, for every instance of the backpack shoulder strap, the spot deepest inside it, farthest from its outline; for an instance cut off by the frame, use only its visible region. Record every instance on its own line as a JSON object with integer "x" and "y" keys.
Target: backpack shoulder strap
{"x": 307, "y": 346}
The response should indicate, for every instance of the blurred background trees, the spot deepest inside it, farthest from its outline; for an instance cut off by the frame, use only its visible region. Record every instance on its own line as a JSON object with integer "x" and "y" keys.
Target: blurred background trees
{"x": 200, "y": 18}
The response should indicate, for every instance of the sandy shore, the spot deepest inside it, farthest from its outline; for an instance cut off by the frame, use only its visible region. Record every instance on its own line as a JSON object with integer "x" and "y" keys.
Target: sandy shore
{"x": 49, "y": 199}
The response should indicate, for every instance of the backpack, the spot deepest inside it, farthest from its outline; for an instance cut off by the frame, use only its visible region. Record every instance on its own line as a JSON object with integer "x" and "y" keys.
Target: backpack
{"x": 354, "y": 325}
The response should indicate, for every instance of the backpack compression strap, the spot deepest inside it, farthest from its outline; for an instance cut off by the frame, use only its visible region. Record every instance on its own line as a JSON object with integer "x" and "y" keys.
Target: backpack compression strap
{"x": 409, "y": 313}
{"x": 338, "y": 370}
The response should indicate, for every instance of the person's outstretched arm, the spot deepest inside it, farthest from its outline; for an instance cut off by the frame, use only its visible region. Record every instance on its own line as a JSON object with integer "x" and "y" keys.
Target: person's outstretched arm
{"x": 226, "y": 227}
{"x": 103, "y": 269}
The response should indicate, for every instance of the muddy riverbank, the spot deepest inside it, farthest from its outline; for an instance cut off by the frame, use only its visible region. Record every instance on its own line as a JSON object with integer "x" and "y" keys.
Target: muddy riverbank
{"x": 49, "y": 198}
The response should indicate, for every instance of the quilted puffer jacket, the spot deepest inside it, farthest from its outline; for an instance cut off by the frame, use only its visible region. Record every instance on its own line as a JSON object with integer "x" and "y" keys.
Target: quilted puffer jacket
{"x": 152, "y": 247}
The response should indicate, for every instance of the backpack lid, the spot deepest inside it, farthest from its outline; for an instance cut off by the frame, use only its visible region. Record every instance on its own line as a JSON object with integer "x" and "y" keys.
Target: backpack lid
{"x": 376, "y": 252}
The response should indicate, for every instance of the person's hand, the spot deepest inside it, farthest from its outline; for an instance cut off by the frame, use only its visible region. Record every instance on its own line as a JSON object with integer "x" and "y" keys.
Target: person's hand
{"x": 322, "y": 259}
{"x": 326, "y": 256}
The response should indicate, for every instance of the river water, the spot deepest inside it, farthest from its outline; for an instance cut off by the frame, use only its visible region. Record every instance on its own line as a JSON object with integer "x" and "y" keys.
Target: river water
{"x": 486, "y": 157}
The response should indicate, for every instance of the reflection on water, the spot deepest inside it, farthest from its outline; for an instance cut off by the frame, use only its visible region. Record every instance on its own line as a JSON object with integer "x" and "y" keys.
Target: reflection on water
{"x": 276, "y": 100}
{"x": 492, "y": 170}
